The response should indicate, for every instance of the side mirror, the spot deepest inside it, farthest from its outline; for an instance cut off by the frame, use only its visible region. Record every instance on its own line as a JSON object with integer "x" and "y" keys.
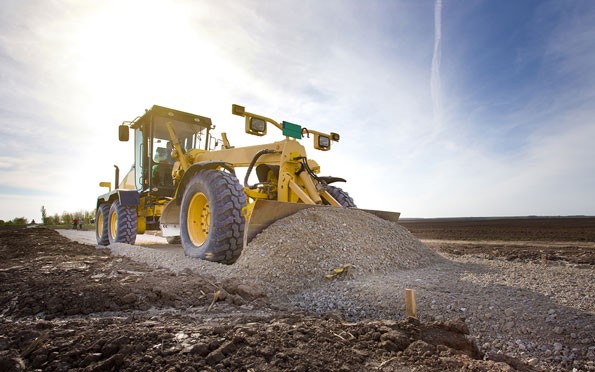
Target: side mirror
{"x": 106, "y": 184}
{"x": 255, "y": 126}
{"x": 123, "y": 132}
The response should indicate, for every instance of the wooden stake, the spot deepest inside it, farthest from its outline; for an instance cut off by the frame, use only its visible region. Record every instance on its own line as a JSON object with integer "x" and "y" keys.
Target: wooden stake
{"x": 410, "y": 307}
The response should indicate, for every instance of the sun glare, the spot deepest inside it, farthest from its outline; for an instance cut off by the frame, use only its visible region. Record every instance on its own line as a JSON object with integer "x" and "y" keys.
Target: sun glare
{"x": 136, "y": 49}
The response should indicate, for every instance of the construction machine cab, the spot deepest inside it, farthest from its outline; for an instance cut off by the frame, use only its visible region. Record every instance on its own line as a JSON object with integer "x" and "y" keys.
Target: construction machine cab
{"x": 154, "y": 156}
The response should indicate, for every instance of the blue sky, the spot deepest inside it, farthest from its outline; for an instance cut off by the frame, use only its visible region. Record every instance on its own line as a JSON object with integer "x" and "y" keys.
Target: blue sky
{"x": 445, "y": 108}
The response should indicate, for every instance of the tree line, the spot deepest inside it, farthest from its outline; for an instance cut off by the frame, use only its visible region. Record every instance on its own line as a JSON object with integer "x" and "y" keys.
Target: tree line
{"x": 65, "y": 218}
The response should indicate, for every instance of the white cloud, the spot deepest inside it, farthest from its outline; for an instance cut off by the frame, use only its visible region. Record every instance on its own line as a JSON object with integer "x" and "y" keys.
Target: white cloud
{"x": 372, "y": 72}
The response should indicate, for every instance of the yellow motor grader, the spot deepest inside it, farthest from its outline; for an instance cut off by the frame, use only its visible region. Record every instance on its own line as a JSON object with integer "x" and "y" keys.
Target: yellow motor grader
{"x": 184, "y": 182}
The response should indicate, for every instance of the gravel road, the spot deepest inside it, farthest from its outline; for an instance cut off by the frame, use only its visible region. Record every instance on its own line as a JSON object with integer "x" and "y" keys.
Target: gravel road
{"x": 542, "y": 313}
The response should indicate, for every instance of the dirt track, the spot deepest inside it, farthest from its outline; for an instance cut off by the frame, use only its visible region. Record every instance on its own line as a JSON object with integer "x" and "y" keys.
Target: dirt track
{"x": 66, "y": 305}
{"x": 70, "y": 306}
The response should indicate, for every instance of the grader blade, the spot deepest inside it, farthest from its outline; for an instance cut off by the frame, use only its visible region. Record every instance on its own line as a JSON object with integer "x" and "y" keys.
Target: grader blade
{"x": 389, "y": 216}
{"x": 265, "y": 212}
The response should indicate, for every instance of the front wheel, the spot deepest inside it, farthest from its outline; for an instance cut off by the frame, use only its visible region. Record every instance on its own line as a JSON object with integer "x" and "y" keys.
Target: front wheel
{"x": 211, "y": 220}
{"x": 122, "y": 223}
{"x": 341, "y": 196}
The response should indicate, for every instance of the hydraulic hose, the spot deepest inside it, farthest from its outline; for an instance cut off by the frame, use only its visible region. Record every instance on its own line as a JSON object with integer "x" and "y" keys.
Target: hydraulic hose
{"x": 254, "y": 160}
{"x": 306, "y": 167}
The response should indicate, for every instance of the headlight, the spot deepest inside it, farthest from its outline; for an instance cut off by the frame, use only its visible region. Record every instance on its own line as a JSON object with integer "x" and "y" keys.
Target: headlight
{"x": 256, "y": 126}
{"x": 322, "y": 142}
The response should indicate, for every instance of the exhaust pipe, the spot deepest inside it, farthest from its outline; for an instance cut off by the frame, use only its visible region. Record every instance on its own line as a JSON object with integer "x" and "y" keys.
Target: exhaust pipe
{"x": 117, "y": 180}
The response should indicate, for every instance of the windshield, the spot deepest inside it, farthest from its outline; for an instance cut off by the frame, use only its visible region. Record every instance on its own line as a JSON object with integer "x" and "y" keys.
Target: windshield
{"x": 190, "y": 137}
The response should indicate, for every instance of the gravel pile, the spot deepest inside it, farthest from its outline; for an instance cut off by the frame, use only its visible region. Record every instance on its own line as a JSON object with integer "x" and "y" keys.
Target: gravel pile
{"x": 543, "y": 314}
{"x": 296, "y": 254}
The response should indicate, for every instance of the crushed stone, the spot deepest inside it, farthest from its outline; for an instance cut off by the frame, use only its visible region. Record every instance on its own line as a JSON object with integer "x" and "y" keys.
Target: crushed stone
{"x": 295, "y": 254}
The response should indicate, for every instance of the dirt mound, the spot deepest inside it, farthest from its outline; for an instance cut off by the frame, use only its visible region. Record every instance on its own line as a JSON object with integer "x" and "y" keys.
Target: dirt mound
{"x": 288, "y": 342}
{"x": 67, "y": 306}
{"x": 46, "y": 275}
{"x": 299, "y": 251}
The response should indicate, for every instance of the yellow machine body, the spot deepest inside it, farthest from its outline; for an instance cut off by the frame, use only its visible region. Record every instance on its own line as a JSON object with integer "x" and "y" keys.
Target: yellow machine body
{"x": 288, "y": 181}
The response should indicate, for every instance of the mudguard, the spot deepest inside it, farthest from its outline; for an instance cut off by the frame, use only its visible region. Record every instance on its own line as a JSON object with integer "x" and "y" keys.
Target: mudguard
{"x": 129, "y": 197}
{"x": 126, "y": 197}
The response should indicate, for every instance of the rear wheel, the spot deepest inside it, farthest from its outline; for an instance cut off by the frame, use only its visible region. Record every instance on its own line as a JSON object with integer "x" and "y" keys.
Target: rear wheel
{"x": 101, "y": 219}
{"x": 341, "y": 196}
{"x": 122, "y": 223}
{"x": 211, "y": 220}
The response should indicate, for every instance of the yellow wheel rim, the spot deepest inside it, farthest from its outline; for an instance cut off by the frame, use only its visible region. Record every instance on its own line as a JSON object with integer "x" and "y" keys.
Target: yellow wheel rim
{"x": 100, "y": 224}
{"x": 198, "y": 219}
{"x": 113, "y": 225}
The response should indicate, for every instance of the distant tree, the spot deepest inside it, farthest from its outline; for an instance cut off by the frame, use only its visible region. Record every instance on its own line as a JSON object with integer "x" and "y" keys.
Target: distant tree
{"x": 19, "y": 221}
{"x": 67, "y": 218}
{"x": 80, "y": 214}
{"x": 44, "y": 215}
{"x": 89, "y": 215}
{"x": 2, "y": 223}
{"x": 50, "y": 220}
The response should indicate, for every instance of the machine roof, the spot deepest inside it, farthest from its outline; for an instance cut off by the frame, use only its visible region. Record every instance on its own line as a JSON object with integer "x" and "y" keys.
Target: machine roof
{"x": 165, "y": 112}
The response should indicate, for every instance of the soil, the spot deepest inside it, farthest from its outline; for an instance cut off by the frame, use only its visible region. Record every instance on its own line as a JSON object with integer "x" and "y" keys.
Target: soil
{"x": 511, "y": 239}
{"x": 563, "y": 229}
{"x": 69, "y": 306}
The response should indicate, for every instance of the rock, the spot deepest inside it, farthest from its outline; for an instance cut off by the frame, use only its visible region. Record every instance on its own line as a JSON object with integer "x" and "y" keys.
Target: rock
{"x": 388, "y": 346}
{"x": 509, "y": 312}
{"x": 200, "y": 349}
{"x": 548, "y": 352}
{"x": 249, "y": 292}
{"x": 399, "y": 339}
{"x": 181, "y": 336}
{"x": 533, "y": 362}
{"x": 129, "y": 298}
{"x": 10, "y": 361}
{"x": 110, "y": 364}
{"x": 458, "y": 325}
{"x": 228, "y": 347}
{"x": 215, "y": 357}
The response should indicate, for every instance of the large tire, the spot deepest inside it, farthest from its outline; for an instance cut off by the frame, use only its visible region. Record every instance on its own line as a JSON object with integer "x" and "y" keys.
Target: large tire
{"x": 122, "y": 223}
{"x": 341, "y": 196}
{"x": 211, "y": 220}
{"x": 101, "y": 220}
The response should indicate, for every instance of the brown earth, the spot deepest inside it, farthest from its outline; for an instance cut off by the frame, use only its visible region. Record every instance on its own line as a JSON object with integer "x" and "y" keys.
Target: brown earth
{"x": 567, "y": 229}
{"x": 571, "y": 240}
{"x": 68, "y": 306}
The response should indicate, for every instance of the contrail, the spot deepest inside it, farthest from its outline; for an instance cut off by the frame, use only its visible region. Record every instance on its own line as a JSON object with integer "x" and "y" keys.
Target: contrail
{"x": 435, "y": 78}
